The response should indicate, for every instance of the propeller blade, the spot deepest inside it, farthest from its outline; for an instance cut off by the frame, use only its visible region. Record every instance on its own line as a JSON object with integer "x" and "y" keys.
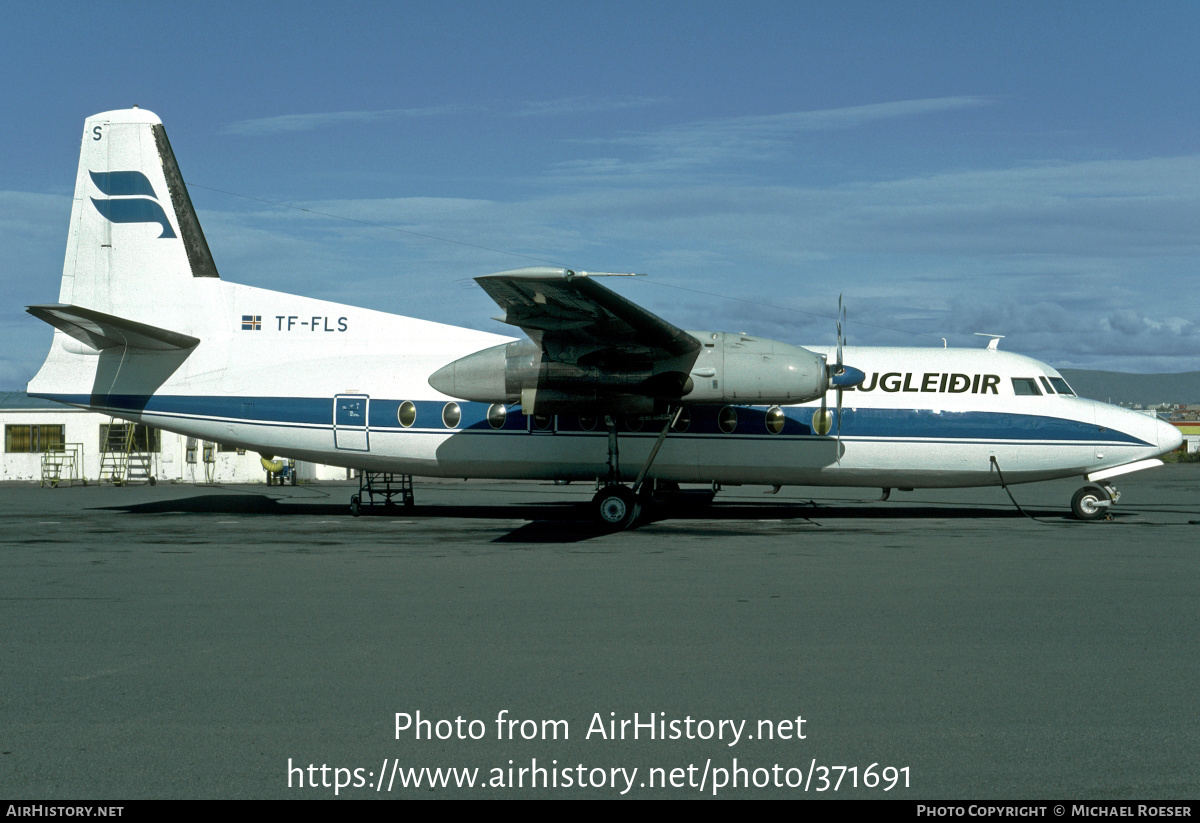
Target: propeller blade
{"x": 841, "y": 315}
{"x": 837, "y": 449}
{"x": 823, "y": 414}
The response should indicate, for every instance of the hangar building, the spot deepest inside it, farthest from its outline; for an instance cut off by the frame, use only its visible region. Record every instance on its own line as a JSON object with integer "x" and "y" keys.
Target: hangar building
{"x": 52, "y": 443}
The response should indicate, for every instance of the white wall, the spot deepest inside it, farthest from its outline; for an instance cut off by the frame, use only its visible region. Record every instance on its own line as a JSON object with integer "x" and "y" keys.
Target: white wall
{"x": 171, "y": 464}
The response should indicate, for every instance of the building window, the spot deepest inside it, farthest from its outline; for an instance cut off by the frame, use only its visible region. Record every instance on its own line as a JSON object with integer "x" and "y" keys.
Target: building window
{"x": 116, "y": 438}
{"x": 21, "y": 439}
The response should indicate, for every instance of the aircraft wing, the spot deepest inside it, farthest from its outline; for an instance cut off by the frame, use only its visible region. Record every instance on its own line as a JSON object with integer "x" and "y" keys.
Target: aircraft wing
{"x": 577, "y": 320}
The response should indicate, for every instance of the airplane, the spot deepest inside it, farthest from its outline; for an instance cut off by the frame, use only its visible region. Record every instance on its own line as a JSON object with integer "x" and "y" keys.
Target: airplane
{"x": 598, "y": 389}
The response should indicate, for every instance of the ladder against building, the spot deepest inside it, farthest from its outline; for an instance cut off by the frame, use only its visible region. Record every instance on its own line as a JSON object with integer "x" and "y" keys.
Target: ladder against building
{"x": 125, "y": 457}
{"x": 63, "y": 464}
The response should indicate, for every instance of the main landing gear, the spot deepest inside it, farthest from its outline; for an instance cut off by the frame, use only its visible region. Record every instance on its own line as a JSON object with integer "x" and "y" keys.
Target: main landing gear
{"x": 617, "y": 506}
{"x": 1094, "y": 502}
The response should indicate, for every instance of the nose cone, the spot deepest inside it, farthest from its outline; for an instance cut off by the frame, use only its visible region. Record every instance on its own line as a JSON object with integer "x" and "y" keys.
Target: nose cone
{"x": 1169, "y": 437}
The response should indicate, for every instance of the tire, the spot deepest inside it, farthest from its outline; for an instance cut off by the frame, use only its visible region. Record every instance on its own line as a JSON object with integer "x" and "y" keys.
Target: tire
{"x": 355, "y": 505}
{"x": 616, "y": 507}
{"x": 1087, "y": 503}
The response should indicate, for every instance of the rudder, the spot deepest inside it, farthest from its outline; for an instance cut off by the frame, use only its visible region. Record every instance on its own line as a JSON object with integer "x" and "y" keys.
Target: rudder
{"x": 135, "y": 243}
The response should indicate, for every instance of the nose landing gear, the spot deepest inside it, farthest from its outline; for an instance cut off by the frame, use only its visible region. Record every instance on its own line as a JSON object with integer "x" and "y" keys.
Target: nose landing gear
{"x": 1094, "y": 502}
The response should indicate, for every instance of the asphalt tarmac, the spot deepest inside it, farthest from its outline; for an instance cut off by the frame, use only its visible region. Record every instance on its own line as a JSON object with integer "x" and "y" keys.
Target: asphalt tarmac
{"x": 217, "y": 642}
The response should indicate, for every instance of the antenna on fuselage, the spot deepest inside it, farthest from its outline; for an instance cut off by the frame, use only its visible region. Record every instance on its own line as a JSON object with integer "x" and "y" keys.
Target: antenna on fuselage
{"x": 994, "y": 343}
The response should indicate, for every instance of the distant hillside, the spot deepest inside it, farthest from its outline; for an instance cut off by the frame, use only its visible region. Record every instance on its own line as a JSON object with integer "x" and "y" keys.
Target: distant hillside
{"x": 1146, "y": 389}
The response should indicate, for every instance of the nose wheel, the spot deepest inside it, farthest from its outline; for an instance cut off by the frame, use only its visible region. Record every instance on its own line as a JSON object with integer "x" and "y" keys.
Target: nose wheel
{"x": 1094, "y": 502}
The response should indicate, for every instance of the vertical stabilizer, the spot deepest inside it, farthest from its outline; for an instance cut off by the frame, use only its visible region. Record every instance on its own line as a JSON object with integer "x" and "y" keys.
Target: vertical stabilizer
{"x": 135, "y": 245}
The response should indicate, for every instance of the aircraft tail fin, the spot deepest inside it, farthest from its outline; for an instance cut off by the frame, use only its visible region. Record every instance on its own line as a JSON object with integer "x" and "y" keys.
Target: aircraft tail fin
{"x": 135, "y": 245}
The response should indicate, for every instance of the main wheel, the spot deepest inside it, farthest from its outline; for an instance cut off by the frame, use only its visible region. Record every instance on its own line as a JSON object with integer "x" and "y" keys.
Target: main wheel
{"x": 616, "y": 507}
{"x": 1088, "y": 503}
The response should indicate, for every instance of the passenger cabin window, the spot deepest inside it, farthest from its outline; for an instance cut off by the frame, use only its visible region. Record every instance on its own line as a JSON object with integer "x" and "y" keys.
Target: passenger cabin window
{"x": 775, "y": 419}
{"x": 406, "y": 415}
{"x": 1061, "y": 386}
{"x": 496, "y": 414}
{"x": 727, "y": 419}
{"x": 1046, "y": 385}
{"x": 1025, "y": 385}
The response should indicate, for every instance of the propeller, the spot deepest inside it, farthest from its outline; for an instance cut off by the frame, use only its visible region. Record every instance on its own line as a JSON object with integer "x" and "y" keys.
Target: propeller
{"x": 840, "y": 377}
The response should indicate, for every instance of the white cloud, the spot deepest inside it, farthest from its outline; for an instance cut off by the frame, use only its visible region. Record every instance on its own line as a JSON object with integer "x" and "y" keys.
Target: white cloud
{"x": 311, "y": 121}
{"x": 582, "y": 105}
{"x": 285, "y": 123}
{"x": 754, "y": 137}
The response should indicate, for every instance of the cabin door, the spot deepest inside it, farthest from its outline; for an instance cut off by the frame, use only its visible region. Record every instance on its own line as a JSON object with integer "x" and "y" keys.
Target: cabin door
{"x": 350, "y": 431}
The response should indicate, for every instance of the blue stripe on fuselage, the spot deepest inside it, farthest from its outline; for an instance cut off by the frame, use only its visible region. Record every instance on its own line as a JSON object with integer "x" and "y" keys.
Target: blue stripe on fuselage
{"x": 866, "y": 423}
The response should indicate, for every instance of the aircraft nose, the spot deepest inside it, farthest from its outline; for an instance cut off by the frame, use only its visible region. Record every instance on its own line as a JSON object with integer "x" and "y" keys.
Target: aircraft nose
{"x": 1169, "y": 437}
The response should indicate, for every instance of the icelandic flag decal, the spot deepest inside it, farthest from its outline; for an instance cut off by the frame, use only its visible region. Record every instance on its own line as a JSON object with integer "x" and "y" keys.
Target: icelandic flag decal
{"x": 251, "y": 322}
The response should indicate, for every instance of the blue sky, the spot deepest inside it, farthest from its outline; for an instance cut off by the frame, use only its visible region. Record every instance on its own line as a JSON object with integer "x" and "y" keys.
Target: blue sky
{"x": 1026, "y": 169}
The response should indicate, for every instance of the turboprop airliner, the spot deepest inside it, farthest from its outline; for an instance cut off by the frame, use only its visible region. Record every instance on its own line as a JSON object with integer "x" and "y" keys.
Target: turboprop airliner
{"x": 597, "y": 388}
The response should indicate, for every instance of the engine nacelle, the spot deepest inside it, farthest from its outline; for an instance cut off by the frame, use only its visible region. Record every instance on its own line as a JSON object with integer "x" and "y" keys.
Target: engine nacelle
{"x": 729, "y": 368}
{"x": 738, "y": 368}
{"x": 520, "y": 372}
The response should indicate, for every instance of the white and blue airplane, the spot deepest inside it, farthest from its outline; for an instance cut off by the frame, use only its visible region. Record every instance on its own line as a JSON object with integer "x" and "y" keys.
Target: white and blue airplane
{"x": 599, "y": 389}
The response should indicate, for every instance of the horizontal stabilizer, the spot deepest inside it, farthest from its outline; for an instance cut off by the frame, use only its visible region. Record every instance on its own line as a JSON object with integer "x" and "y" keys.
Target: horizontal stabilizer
{"x": 103, "y": 331}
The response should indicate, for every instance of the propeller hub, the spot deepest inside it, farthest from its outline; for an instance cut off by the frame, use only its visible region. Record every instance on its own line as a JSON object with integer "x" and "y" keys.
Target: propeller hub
{"x": 845, "y": 377}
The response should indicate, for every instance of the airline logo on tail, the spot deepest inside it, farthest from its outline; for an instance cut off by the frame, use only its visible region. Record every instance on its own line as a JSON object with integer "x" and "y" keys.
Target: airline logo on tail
{"x": 131, "y": 199}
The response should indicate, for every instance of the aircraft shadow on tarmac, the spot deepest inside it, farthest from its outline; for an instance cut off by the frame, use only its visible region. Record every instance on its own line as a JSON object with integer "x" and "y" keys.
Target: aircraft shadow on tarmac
{"x": 567, "y": 522}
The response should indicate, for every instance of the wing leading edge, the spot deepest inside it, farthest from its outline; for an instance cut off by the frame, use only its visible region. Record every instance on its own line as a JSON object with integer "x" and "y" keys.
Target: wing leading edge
{"x": 575, "y": 319}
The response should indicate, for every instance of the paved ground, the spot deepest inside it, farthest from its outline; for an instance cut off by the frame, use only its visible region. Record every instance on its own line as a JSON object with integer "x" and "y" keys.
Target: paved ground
{"x": 190, "y": 641}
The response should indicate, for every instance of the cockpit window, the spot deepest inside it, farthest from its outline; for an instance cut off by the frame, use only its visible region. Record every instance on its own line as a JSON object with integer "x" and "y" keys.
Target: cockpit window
{"x": 1046, "y": 385}
{"x": 1025, "y": 385}
{"x": 1061, "y": 386}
